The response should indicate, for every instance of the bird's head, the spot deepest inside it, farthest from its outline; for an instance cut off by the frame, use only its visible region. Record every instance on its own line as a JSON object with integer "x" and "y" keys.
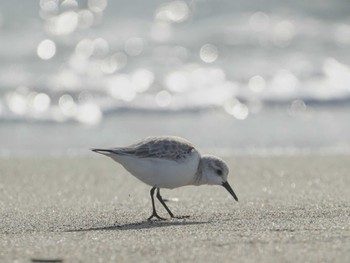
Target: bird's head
{"x": 215, "y": 172}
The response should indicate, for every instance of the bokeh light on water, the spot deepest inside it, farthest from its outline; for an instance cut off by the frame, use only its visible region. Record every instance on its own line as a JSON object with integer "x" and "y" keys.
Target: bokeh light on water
{"x": 173, "y": 12}
{"x": 208, "y": 53}
{"x": 257, "y": 83}
{"x": 86, "y": 58}
{"x": 46, "y": 49}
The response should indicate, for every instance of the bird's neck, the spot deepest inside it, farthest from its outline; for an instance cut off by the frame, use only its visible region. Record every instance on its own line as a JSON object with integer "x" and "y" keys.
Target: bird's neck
{"x": 200, "y": 177}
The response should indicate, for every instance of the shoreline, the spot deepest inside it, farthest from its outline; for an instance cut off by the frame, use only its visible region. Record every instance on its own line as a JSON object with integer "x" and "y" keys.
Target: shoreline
{"x": 227, "y": 153}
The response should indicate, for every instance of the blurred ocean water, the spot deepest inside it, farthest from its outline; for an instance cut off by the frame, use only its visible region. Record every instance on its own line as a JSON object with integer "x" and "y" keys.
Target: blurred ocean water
{"x": 272, "y": 73}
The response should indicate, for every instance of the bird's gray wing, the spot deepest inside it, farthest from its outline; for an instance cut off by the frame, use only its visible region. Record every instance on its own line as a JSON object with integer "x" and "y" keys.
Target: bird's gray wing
{"x": 169, "y": 148}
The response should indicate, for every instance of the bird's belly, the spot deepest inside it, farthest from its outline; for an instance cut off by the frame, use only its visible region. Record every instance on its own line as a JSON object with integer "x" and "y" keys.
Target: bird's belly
{"x": 160, "y": 172}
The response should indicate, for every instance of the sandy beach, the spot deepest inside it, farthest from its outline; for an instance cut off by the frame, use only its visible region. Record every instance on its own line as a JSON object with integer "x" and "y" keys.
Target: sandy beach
{"x": 89, "y": 209}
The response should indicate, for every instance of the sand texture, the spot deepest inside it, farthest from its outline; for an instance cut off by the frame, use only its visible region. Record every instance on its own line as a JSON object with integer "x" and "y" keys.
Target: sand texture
{"x": 89, "y": 209}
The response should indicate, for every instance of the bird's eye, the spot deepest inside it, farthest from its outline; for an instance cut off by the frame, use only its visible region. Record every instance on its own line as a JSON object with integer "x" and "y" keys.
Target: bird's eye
{"x": 219, "y": 172}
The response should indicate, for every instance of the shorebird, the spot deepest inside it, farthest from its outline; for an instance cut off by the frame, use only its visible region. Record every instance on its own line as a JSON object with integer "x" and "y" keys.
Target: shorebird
{"x": 169, "y": 162}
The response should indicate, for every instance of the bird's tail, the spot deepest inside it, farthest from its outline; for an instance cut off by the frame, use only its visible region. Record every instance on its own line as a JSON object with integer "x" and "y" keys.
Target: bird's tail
{"x": 103, "y": 151}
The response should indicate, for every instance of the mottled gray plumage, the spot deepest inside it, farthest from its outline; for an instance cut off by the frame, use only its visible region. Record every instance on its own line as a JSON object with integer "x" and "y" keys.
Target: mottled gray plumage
{"x": 162, "y": 147}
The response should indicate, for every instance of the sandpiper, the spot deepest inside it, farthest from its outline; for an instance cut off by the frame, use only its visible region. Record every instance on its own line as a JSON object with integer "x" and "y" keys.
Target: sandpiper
{"x": 169, "y": 162}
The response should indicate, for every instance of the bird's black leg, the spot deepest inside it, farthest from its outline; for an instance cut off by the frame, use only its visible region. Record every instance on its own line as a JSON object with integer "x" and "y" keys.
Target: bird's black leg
{"x": 163, "y": 203}
{"x": 154, "y": 213}
{"x": 166, "y": 207}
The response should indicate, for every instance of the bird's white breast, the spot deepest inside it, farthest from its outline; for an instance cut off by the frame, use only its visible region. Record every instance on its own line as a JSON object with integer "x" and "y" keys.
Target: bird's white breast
{"x": 162, "y": 173}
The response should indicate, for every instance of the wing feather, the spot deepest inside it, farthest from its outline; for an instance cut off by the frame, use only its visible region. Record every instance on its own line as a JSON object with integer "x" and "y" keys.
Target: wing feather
{"x": 170, "y": 148}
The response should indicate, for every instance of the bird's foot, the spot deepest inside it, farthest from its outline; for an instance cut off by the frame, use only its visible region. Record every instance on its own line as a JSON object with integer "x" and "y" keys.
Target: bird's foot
{"x": 156, "y": 216}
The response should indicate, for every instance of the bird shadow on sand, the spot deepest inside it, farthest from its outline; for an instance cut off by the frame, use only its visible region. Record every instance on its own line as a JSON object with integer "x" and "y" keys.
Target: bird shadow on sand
{"x": 139, "y": 225}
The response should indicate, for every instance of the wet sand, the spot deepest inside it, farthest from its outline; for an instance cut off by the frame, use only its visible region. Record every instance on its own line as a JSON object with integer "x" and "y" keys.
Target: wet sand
{"x": 81, "y": 209}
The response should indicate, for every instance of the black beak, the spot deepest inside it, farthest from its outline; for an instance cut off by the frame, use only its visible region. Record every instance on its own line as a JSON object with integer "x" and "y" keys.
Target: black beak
{"x": 229, "y": 189}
